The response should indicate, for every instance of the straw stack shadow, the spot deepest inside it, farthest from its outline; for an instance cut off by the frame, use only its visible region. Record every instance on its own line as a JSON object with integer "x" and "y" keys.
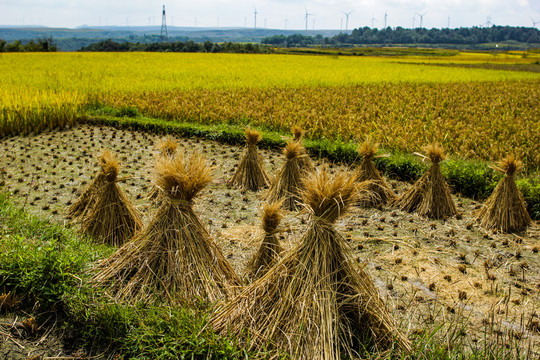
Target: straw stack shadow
{"x": 173, "y": 259}
{"x": 505, "y": 209}
{"x": 430, "y": 195}
{"x": 287, "y": 184}
{"x": 113, "y": 220}
{"x": 381, "y": 193}
{"x": 268, "y": 253}
{"x": 250, "y": 174}
{"x": 316, "y": 302}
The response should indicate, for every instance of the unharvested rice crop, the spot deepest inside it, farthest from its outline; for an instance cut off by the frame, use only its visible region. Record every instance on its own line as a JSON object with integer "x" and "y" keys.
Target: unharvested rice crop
{"x": 401, "y": 102}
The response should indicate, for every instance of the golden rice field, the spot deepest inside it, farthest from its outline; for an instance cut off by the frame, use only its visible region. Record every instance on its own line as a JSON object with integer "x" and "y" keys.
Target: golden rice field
{"x": 473, "y": 112}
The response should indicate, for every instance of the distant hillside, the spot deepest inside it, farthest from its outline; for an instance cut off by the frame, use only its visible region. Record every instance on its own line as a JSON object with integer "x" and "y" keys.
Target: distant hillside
{"x": 74, "y": 39}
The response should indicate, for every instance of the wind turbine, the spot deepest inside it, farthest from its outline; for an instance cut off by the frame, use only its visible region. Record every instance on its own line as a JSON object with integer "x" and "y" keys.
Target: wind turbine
{"x": 347, "y": 19}
{"x": 307, "y": 17}
{"x": 534, "y": 22}
{"x": 413, "y": 21}
{"x": 421, "y": 18}
{"x": 385, "y": 18}
{"x": 255, "y": 18}
{"x": 373, "y": 21}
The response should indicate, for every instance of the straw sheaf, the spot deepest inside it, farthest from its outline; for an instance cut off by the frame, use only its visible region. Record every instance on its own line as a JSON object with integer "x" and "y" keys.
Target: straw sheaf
{"x": 316, "y": 302}
{"x": 167, "y": 146}
{"x": 85, "y": 203}
{"x": 297, "y": 133}
{"x": 505, "y": 209}
{"x": 110, "y": 166}
{"x": 329, "y": 197}
{"x": 182, "y": 178}
{"x": 368, "y": 150}
{"x": 510, "y": 165}
{"x": 293, "y": 150}
{"x": 271, "y": 217}
{"x": 435, "y": 153}
{"x": 252, "y": 137}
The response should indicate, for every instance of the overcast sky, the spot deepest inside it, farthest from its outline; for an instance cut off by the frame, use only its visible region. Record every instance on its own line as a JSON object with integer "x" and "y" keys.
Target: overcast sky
{"x": 280, "y": 14}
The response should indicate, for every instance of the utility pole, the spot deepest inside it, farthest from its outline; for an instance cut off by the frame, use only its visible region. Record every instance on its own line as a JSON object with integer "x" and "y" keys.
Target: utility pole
{"x": 164, "y": 35}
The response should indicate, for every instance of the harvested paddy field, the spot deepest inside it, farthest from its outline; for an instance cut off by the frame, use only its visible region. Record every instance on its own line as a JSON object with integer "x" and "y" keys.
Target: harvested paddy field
{"x": 431, "y": 273}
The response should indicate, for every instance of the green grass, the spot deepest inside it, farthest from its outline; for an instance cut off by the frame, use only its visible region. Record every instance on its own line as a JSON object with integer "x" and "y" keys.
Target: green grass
{"x": 48, "y": 266}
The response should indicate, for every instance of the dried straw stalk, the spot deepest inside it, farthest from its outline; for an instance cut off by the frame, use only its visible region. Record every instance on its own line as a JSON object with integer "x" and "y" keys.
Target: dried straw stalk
{"x": 167, "y": 148}
{"x": 287, "y": 185}
{"x": 505, "y": 209}
{"x": 113, "y": 220}
{"x": 268, "y": 252}
{"x": 381, "y": 192}
{"x": 173, "y": 259}
{"x": 85, "y": 202}
{"x": 250, "y": 174}
{"x": 316, "y": 303}
{"x": 304, "y": 161}
{"x": 430, "y": 195}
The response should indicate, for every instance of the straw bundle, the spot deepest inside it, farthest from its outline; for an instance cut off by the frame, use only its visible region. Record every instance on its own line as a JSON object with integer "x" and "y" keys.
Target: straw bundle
{"x": 382, "y": 194}
{"x": 287, "y": 184}
{"x": 304, "y": 161}
{"x": 505, "y": 209}
{"x": 113, "y": 220}
{"x": 297, "y": 133}
{"x": 85, "y": 203}
{"x": 315, "y": 303}
{"x": 250, "y": 174}
{"x": 430, "y": 195}
{"x": 268, "y": 252}
{"x": 167, "y": 148}
{"x": 173, "y": 258}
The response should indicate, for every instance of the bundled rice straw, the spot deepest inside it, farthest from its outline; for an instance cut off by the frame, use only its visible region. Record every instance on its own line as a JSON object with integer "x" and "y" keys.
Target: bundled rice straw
{"x": 288, "y": 182}
{"x": 85, "y": 203}
{"x": 430, "y": 195}
{"x": 167, "y": 148}
{"x": 113, "y": 220}
{"x": 173, "y": 258}
{"x": 382, "y": 194}
{"x": 315, "y": 303}
{"x": 304, "y": 161}
{"x": 297, "y": 133}
{"x": 505, "y": 209}
{"x": 250, "y": 174}
{"x": 269, "y": 250}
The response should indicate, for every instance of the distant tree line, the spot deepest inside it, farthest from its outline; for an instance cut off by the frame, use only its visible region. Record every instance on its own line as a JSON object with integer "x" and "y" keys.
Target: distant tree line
{"x": 39, "y": 45}
{"x": 399, "y": 35}
{"x": 178, "y": 46}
